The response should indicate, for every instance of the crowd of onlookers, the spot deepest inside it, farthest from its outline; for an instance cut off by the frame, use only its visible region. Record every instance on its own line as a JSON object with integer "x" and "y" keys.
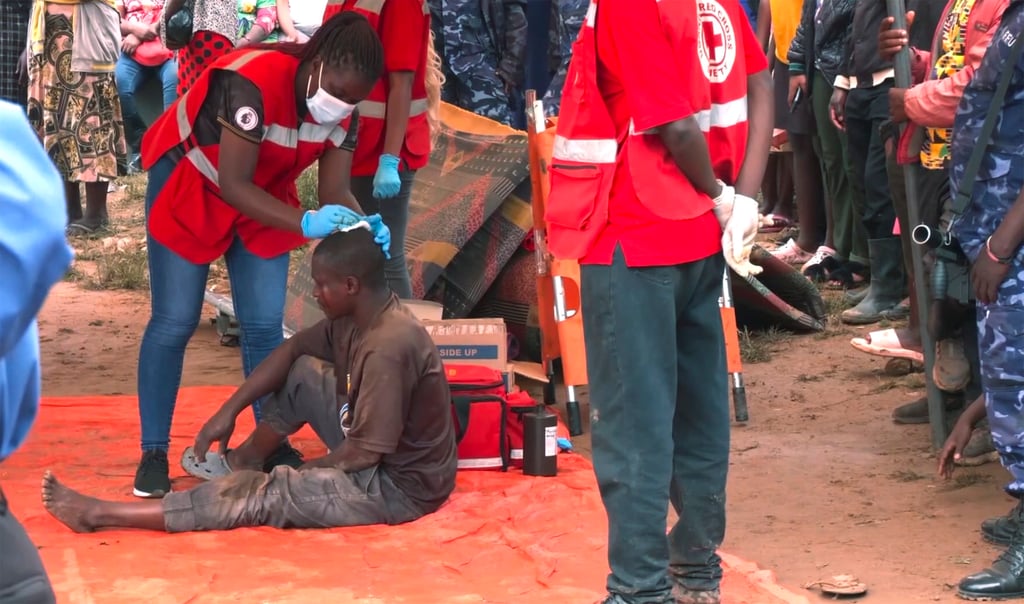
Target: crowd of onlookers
{"x": 840, "y": 166}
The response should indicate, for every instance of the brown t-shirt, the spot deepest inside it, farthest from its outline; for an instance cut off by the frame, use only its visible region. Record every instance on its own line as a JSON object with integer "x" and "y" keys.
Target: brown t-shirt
{"x": 399, "y": 402}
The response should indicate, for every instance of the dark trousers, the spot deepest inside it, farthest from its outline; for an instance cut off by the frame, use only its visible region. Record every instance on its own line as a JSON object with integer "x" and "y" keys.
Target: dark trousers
{"x": 659, "y": 420}
{"x": 23, "y": 579}
{"x": 847, "y": 231}
{"x": 866, "y": 110}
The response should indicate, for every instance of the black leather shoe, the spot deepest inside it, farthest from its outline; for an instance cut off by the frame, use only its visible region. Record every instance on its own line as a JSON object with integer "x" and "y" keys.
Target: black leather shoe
{"x": 1004, "y": 580}
{"x": 1000, "y": 530}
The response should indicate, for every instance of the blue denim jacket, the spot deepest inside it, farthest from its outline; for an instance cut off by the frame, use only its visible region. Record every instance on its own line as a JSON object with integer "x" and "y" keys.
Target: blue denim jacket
{"x": 34, "y": 255}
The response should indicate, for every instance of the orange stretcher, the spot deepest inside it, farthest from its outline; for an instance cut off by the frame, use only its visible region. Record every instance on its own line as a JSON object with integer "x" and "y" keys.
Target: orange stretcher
{"x": 558, "y": 288}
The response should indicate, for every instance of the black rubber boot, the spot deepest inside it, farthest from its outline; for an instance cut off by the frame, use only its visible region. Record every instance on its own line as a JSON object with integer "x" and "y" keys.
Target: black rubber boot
{"x": 1004, "y": 580}
{"x": 1000, "y": 530}
{"x": 888, "y": 283}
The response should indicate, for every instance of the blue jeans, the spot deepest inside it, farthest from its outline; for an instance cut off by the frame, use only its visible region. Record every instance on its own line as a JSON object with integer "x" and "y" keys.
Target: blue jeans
{"x": 659, "y": 421}
{"x": 395, "y": 213}
{"x": 177, "y": 286}
{"x": 130, "y": 76}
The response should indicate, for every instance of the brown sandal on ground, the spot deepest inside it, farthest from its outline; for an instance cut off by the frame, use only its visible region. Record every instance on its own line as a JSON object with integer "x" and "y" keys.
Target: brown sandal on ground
{"x": 840, "y": 585}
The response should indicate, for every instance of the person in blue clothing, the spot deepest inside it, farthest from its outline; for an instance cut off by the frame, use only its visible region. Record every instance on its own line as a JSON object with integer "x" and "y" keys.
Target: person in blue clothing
{"x": 34, "y": 255}
{"x": 991, "y": 233}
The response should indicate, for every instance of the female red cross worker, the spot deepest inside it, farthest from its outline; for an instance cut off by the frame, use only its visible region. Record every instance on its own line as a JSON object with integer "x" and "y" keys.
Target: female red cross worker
{"x": 655, "y": 109}
{"x": 222, "y": 166}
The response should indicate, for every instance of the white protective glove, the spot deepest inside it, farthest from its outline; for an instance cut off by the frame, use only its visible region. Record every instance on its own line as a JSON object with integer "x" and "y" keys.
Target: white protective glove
{"x": 739, "y": 218}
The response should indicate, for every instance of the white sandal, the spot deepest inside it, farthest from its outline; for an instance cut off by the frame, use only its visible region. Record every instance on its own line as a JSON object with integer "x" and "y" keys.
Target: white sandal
{"x": 791, "y": 253}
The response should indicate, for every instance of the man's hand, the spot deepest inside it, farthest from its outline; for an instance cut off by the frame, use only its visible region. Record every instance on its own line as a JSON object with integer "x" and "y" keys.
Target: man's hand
{"x": 507, "y": 81}
{"x": 986, "y": 277}
{"x": 837, "y": 108}
{"x": 797, "y": 81}
{"x": 891, "y": 41}
{"x": 219, "y": 429}
{"x": 897, "y": 105}
{"x": 954, "y": 447}
{"x": 739, "y": 218}
{"x": 130, "y": 43}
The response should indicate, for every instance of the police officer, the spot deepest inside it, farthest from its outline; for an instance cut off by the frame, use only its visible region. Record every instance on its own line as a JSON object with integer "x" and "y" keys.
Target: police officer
{"x": 990, "y": 232}
{"x": 565, "y": 23}
{"x": 651, "y": 112}
{"x": 483, "y": 47}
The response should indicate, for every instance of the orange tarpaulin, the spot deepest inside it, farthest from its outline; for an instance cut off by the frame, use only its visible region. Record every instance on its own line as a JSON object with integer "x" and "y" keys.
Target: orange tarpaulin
{"x": 502, "y": 537}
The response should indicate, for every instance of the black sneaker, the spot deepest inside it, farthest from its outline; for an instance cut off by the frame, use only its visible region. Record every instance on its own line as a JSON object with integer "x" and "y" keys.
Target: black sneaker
{"x": 285, "y": 455}
{"x": 152, "y": 479}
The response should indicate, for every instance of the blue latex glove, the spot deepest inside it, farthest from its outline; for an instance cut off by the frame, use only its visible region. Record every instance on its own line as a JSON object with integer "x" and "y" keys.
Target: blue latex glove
{"x": 386, "y": 183}
{"x": 565, "y": 444}
{"x": 317, "y": 224}
{"x": 381, "y": 233}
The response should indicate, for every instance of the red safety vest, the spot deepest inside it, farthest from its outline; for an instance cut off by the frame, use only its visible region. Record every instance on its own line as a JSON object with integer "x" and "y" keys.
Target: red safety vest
{"x": 586, "y": 151}
{"x": 373, "y": 110}
{"x": 189, "y": 216}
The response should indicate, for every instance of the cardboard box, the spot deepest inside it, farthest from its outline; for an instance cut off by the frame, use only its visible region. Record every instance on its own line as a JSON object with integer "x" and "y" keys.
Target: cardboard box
{"x": 475, "y": 341}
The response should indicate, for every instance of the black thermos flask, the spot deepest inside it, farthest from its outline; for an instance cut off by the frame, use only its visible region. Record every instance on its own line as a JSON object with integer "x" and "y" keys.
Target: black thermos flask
{"x": 540, "y": 442}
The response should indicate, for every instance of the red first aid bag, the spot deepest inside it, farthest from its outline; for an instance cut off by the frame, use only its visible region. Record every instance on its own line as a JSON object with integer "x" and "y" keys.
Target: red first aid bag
{"x": 479, "y": 409}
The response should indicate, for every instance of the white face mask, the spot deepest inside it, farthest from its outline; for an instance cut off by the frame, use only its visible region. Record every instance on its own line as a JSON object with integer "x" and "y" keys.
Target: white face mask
{"x": 323, "y": 107}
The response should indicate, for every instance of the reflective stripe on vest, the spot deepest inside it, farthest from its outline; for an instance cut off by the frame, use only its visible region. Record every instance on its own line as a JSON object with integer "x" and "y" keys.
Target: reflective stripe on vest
{"x": 378, "y": 110}
{"x": 723, "y": 115}
{"x": 596, "y": 151}
{"x": 306, "y": 133}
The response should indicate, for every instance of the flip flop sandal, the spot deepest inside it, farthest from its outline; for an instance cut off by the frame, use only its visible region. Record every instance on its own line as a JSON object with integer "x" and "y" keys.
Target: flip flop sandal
{"x": 77, "y": 229}
{"x": 215, "y": 466}
{"x": 886, "y": 343}
{"x": 773, "y": 223}
{"x": 840, "y": 585}
{"x": 821, "y": 272}
{"x": 850, "y": 275}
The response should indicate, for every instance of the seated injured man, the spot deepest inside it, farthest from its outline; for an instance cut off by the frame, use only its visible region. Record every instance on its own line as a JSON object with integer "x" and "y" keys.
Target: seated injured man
{"x": 367, "y": 379}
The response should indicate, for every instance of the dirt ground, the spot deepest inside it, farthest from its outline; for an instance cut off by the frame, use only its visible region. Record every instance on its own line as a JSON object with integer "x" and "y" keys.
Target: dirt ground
{"x": 822, "y": 482}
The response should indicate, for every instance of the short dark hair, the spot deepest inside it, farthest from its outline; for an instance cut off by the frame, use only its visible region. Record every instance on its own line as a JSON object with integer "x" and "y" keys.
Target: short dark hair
{"x": 353, "y": 254}
{"x": 345, "y": 39}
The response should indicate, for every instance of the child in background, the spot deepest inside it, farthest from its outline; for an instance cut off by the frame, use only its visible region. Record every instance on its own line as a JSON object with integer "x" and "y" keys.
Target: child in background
{"x": 257, "y": 22}
{"x": 299, "y": 19}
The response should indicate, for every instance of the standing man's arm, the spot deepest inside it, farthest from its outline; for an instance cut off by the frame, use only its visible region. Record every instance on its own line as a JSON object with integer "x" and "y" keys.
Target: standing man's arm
{"x": 34, "y": 254}
{"x": 760, "y": 115}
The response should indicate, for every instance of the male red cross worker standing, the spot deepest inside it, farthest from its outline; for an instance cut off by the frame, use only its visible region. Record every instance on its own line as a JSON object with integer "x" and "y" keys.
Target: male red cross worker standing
{"x": 656, "y": 101}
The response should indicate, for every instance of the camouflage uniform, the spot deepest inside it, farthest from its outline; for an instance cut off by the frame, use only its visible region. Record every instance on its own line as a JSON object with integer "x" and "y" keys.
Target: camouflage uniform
{"x": 478, "y": 40}
{"x": 566, "y": 20}
{"x": 997, "y": 186}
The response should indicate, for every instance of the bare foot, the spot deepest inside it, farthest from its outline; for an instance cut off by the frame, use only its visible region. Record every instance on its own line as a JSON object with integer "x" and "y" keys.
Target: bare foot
{"x": 71, "y": 508}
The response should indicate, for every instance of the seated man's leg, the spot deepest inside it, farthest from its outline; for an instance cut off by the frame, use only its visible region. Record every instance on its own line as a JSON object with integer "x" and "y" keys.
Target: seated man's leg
{"x": 285, "y": 498}
{"x": 309, "y": 397}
